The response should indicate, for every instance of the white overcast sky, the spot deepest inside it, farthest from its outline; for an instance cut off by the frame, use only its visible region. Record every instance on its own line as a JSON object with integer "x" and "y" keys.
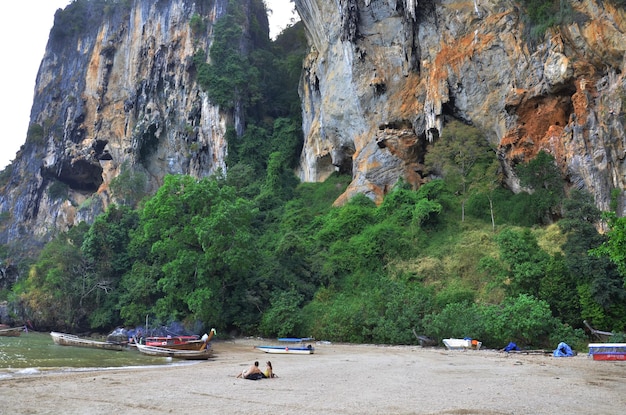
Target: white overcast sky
{"x": 24, "y": 29}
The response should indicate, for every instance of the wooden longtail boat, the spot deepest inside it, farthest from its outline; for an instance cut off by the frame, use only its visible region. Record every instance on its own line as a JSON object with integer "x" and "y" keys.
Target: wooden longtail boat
{"x": 169, "y": 341}
{"x": 199, "y": 354}
{"x": 191, "y": 350}
{"x": 191, "y": 344}
{"x": 65, "y": 339}
{"x": 11, "y": 331}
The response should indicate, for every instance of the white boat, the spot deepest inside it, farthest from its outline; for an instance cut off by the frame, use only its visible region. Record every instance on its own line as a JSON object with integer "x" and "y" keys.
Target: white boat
{"x": 297, "y": 348}
{"x": 286, "y": 349}
{"x": 461, "y": 344}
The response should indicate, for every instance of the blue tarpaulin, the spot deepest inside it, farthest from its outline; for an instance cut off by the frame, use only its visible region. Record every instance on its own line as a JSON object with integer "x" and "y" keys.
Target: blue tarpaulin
{"x": 511, "y": 346}
{"x": 563, "y": 350}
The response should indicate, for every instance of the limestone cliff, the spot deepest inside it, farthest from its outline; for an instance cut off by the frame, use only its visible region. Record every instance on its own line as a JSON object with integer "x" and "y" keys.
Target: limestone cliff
{"x": 382, "y": 75}
{"x": 117, "y": 104}
{"x": 116, "y": 97}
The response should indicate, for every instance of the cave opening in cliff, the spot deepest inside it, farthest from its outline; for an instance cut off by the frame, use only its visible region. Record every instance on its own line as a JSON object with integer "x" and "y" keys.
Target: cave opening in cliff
{"x": 451, "y": 111}
{"x": 149, "y": 142}
{"x": 81, "y": 175}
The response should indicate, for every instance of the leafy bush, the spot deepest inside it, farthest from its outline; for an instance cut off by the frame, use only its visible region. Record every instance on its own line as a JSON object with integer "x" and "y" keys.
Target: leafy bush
{"x": 198, "y": 24}
{"x": 35, "y": 134}
{"x": 456, "y": 320}
{"x": 5, "y": 175}
{"x": 230, "y": 78}
{"x": 130, "y": 186}
{"x": 284, "y": 317}
{"x": 575, "y": 338}
{"x": 523, "y": 320}
{"x": 58, "y": 190}
{"x": 543, "y": 176}
{"x": 543, "y": 14}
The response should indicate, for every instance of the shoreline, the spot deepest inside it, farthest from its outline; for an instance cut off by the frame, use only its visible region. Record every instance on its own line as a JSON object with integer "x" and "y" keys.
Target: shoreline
{"x": 337, "y": 379}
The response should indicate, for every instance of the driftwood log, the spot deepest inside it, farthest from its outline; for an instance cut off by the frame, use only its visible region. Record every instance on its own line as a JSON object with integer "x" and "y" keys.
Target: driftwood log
{"x": 424, "y": 341}
{"x": 597, "y": 334}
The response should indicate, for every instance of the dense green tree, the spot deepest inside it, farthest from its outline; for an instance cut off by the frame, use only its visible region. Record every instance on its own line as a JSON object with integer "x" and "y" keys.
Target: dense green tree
{"x": 105, "y": 248}
{"x": 522, "y": 319}
{"x": 613, "y": 247}
{"x": 526, "y": 260}
{"x": 230, "y": 79}
{"x": 601, "y": 285}
{"x": 404, "y": 207}
{"x": 130, "y": 186}
{"x": 61, "y": 289}
{"x": 459, "y": 156}
{"x": 284, "y": 317}
{"x": 487, "y": 183}
{"x": 457, "y": 320}
{"x": 542, "y": 176}
{"x": 199, "y": 252}
{"x": 559, "y": 289}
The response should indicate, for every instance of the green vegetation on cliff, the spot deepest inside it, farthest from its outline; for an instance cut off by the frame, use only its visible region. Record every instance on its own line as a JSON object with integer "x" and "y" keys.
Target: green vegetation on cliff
{"x": 262, "y": 258}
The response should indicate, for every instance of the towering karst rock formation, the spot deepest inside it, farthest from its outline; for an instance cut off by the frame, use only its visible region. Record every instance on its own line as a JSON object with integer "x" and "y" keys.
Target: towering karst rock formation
{"x": 117, "y": 98}
{"x": 382, "y": 75}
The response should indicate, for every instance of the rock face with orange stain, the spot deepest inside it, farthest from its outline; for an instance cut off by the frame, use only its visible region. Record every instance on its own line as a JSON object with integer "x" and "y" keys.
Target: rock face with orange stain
{"x": 118, "y": 98}
{"x": 383, "y": 76}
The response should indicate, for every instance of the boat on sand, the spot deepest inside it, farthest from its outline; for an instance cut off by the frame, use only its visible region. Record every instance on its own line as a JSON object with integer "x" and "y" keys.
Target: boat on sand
{"x": 195, "y": 344}
{"x": 298, "y": 348}
{"x": 11, "y": 331}
{"x": 191, "y": 350}
{"x": 607, "y": 351}
{"x": 201, "y": 353}
{"x": 462, "y": 344}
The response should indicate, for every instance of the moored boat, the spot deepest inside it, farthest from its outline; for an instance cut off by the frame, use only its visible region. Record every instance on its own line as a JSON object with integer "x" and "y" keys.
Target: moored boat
{"x": 169, "y": 341}
{"x": 299, "y": 348}
{"x": 204, "y": 352}
{"x": 11, "y": 331}
{"x": 199, "y": 349}
{"x": 191, "y": 344}
{"x": 607, "y": 351}
{"x": 65, "y": 339}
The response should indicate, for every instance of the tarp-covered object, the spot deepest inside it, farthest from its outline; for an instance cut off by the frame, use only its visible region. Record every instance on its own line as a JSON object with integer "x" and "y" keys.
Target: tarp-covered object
{"x": 563, "y": 350}
{"x": 511, "y": 346}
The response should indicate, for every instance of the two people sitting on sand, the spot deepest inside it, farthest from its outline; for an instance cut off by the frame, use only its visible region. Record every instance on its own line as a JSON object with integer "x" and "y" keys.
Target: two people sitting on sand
{"x": 254, "y": 373}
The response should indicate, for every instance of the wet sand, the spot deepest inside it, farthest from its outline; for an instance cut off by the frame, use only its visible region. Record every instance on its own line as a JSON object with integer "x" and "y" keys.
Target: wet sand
{"x": 337, "y": 379}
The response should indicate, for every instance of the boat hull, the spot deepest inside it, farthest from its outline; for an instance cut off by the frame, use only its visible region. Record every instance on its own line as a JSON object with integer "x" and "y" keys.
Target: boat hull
{"x": 11, "y": 332}
{"x": 170, "y": 341}
{"x": 462, "y": 344}
{"x": 157, "y": 351}
{"x": 607, "y": 351}
{"x": 286, "y": 349}
{"x": 65, "y": 339}
{"x": 609, "y": 356}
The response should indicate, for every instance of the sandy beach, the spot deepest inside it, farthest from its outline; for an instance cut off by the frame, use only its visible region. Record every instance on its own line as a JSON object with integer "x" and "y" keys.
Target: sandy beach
{"x": 337, "y": 379}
